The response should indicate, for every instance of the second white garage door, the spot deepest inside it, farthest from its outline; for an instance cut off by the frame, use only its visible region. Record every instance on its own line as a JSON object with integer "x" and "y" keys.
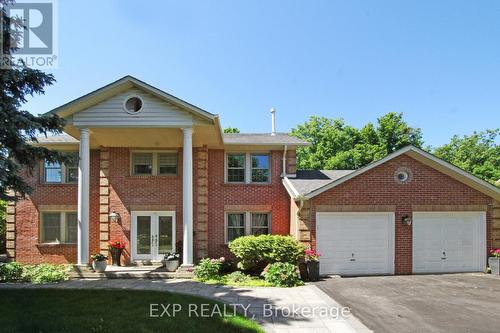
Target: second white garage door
{"x": 355, "y": 243}
{"x": 446, "y": 242}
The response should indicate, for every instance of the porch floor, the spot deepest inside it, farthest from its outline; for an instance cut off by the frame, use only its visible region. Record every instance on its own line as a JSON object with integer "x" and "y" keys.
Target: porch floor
{"x": 129, "y": 272}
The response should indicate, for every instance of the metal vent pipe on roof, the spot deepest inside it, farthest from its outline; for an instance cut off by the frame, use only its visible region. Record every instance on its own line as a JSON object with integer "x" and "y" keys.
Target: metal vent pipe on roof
{"x": 273, "y": 121}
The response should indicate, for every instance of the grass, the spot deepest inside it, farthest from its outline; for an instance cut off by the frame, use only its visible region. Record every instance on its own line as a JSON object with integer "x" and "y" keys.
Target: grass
{"x": 97, "y": 310}
{"x": 252, "y": 282}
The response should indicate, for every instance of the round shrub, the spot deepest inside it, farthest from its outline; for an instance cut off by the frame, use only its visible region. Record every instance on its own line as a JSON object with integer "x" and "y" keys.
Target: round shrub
{"x": 208, "y": 269}
{"x": 237, "y": 277}
{"x": 256, "y": 252}
{"x": 11, "y": 271}
{"x": 45, "y": 273}
{"x": 282, "y": 274}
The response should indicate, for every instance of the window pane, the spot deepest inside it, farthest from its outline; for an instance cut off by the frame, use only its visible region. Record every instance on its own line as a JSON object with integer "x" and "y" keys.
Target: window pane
{"x": 260, "y": 168}
{"x": 71, "y": 228}
{"x": 167, "y": 164}
{"x": 143, "y": 163}
{"x": 72, "y": 174}
{"x": 260, "y": 224}
{"x": 233, "y": 233}
{"x": 236, "y": 160}
{"x": 165, "y": 234}
{"x": 51, "y": 224}
{"x": 235, "y": 226}
{"x": 74, "y": 160}
{"x": 53, "y": 173}
{"x": 143, "y": 234}
{"x": 260, "y": 175}
{"x": 260, "y": 161}
{"x": 236, "y": 175}
{"x": 236, "y": 220}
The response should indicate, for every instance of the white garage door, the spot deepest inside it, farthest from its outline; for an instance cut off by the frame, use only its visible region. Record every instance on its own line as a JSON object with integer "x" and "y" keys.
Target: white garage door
{"x": 449, "y": 242}
{"x": 355, "y": 243}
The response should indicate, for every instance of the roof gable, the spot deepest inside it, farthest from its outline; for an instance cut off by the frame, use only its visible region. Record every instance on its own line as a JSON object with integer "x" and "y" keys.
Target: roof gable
{"x": 120, "y": 86}
{"x": 414, "y": 152}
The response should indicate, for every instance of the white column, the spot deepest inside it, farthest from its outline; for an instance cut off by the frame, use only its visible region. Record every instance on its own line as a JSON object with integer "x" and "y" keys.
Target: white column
{"x": 187, "y": 197}
{"x": 83, "y": 198}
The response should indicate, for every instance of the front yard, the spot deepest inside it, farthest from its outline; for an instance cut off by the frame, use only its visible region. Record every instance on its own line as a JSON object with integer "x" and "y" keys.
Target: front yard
{"x": 77, "y": 310}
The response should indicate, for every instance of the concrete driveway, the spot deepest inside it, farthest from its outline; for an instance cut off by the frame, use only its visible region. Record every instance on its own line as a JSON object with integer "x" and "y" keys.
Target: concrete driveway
{"x": 421, "y": 303}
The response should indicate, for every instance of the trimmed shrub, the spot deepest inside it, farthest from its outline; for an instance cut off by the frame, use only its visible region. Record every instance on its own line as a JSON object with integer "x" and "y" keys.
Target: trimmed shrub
{"x": 34, "y": 273}
{"x": 282, "y": 274}
{"x": 208, "y": 269}
{"x": 11, "y": 271}
{"x": 256, "y": 252}
{"x": 237, "y": 277}
{"x": 45, "y": 273}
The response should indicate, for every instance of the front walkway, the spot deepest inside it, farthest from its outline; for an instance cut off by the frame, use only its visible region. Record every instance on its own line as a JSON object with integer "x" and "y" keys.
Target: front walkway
{"x": 278, "y": 310}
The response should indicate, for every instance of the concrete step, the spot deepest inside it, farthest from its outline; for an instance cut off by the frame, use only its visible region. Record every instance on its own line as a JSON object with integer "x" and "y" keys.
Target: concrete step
{"x": 131, "y": 275}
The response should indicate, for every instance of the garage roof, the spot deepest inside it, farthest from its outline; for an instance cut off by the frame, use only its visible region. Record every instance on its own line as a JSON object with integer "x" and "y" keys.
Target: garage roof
{"x": 311, "y": 183}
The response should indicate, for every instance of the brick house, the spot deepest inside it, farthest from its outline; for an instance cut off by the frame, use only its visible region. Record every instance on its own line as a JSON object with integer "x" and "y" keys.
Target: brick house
{"x": 177, "y": 183}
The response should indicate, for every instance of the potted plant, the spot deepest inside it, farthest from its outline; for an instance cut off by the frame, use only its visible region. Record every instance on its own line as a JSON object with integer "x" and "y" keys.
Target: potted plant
{"x": 494, "y": 261}
{"x": 116, "y": 249}
{"x": 171, "y": 261}
{"x": 99, "y": 262}
{"x": 311, "y": 258}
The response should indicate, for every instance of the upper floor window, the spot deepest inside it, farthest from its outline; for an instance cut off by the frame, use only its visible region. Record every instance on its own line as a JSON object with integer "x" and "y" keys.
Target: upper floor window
{"x": 61, "y": 173}
{"x": 58, "y": 227}
{"x": 247, "y": 168}
{"x": 154, "y": 163}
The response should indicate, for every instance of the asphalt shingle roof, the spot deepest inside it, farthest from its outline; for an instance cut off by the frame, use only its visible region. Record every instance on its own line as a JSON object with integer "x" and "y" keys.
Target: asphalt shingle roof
{"x": 307, "y": 181}
{"x": 262, "y": 139}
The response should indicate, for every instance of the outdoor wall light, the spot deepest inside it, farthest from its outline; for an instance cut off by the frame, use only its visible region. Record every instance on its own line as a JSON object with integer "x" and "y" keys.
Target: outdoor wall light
{"x": 114, "y": 216}
{"x": 406, "y": 220}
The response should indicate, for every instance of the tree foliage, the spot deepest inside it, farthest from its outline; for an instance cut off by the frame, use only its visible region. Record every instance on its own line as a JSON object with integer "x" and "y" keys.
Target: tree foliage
{"x": 231, "y": 130}
{"x": 478, "y": 154}
{"x": 19, "y": 127}
{"x": 336, "y": 145}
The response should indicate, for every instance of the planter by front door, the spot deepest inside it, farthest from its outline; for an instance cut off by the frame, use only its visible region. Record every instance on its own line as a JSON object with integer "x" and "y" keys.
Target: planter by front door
{"x": 152, "y": 235}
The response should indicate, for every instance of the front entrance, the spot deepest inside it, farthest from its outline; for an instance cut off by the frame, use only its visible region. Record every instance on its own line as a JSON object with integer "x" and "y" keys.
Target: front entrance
{"x": 152, "y": 235}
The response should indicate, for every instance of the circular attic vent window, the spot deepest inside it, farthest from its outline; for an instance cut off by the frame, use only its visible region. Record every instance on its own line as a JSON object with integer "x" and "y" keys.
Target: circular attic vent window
{"x": 403, "y": 175}
{"x": 133, "y": 104}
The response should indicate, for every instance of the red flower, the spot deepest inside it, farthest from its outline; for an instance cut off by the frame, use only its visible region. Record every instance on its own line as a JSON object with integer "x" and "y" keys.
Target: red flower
{"x": 117, "y": 244}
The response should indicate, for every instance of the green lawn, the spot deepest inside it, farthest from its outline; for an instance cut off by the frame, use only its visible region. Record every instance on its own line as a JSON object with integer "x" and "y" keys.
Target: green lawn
{"x": 96, "y": 311}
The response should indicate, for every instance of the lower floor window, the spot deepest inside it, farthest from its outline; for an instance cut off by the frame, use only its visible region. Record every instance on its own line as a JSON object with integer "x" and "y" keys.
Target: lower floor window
{"x": 58, "y": 227}
{"x": 247, "y": 223}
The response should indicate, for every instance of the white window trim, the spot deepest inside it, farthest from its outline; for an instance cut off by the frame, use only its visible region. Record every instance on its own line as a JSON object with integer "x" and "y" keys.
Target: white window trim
{"x": 156, "y": 165}
{"x": 247, "y": 221}
{"x": 62, "y": 222}
{"x": 248, "y": 166}
{"x": 64, "y": 172}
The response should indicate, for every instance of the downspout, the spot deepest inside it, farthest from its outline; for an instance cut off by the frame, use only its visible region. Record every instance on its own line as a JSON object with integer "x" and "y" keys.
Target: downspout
{"x": 283, "y": 174}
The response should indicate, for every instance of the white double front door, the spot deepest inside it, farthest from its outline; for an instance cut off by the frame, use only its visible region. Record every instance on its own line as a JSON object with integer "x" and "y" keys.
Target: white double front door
{"x": 152, "y": 235}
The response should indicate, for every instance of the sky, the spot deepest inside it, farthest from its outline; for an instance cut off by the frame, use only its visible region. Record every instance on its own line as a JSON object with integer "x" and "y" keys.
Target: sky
{"x": 438, "y": 62}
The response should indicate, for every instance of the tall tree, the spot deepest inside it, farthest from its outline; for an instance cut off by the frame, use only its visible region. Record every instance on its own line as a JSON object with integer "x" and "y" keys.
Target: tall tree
{"x": 19, "y": 127}
{"x": 336, "y": 145}
{"x": 478, "y": 154}
{"x": 231, "y": 130}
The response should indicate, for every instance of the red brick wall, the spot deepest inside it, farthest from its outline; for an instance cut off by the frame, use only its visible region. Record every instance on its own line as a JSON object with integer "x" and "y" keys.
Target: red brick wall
{"x": 221, "y": 194}
{"x": 28, "y": 247}
{"x": 378, "y": 187}
{"x": 126, "y": 190}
